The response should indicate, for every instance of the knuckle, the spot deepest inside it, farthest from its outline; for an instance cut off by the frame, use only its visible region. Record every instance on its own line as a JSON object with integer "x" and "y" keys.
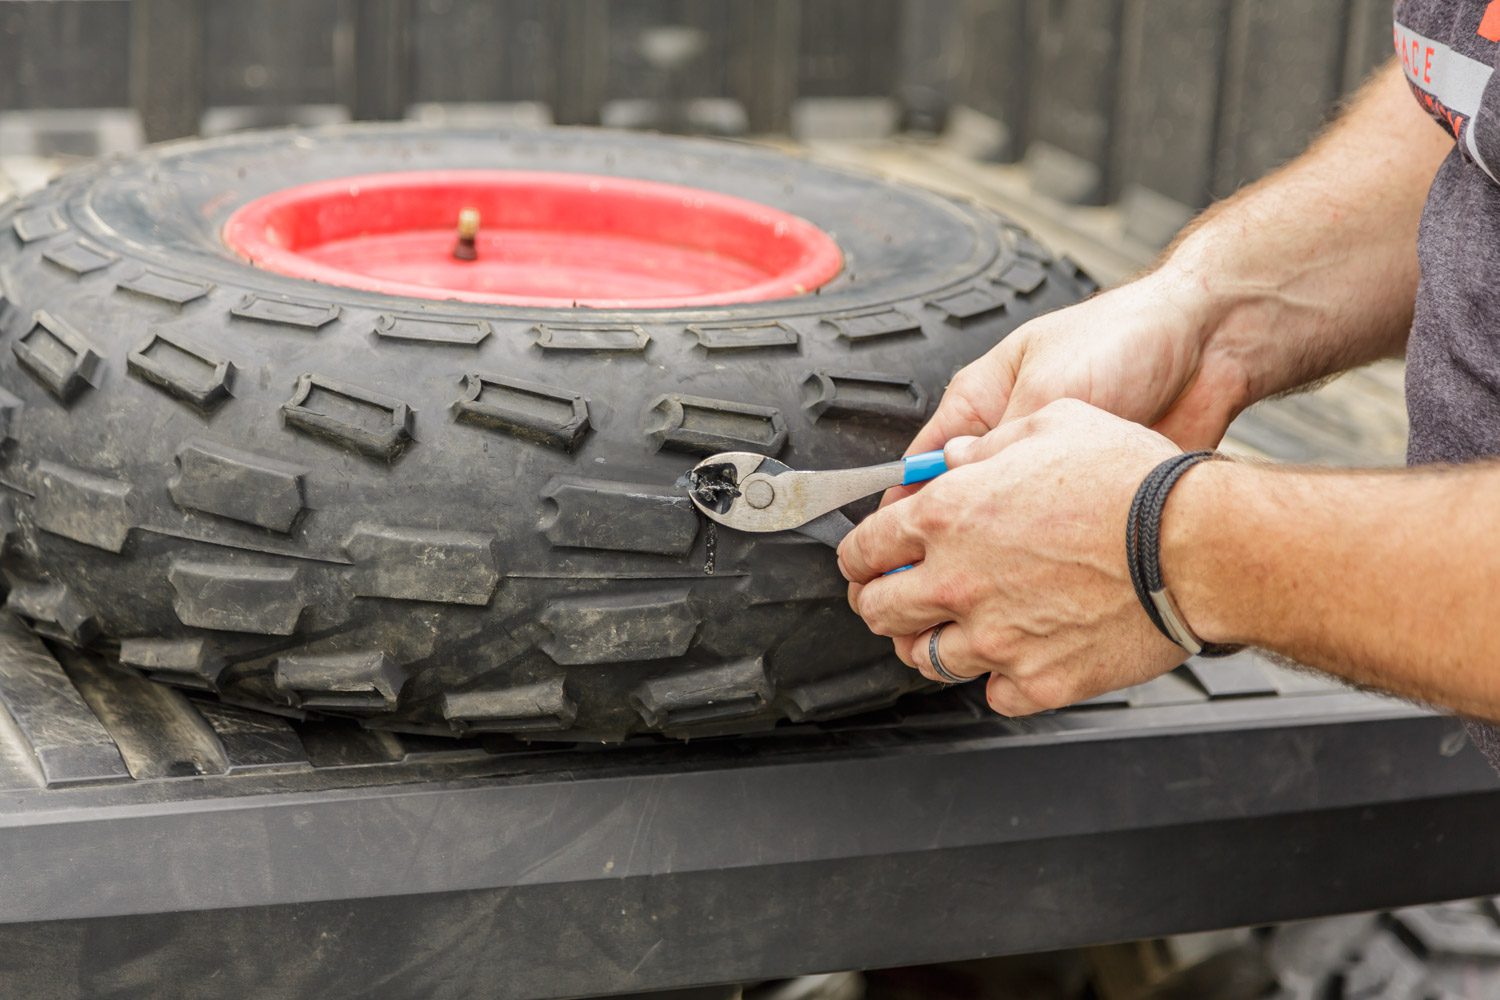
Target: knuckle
{"x": 1065, "y": 409}
{"x": 1047, "y": 690}
{"x": 1025, "y": 671}
{"x": 859, "y": 554}
{"x": 991, "y": 646}
{"x": 963, "y": 380}
{"x": 939, "y": 494}
{"x": 1054, "y": 410}
{"x": 953, "y": 592}
{"x": 929, "y": 515}
{"x": 876, "y": 612}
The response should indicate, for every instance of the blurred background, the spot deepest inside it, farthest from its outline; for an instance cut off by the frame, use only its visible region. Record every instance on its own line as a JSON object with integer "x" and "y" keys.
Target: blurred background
{"x": 1154, "y": 106}
{"x": 1100, "y": 125}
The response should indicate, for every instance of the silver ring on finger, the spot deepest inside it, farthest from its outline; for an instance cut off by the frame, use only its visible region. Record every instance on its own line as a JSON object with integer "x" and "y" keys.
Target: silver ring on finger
{"x": 937, "y": 663}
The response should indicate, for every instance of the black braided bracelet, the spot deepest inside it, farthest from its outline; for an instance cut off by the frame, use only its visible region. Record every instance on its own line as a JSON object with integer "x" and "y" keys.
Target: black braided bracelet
{"x": 1143, "y": 554}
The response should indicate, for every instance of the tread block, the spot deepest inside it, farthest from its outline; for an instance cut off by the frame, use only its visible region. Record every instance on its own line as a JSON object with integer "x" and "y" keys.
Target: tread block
{"x": 1384, "y": 968}
{"x": 710, "y": 694}
{"x": 170, "y": 288}
{"x": 857, "y": 690}
{"x": 541, "y": 706}
{"x": 52, "y": 610}
{"x": 183, "y": 370}
{"x": 218, "y": 479}
{"x": 1029, "y": 246}
{"x": 744, "y": 336}
{"x": 369, "y": 422}
{"x": 8, "y": 523}
{"x": 264, "y": 600}
{"x": 286, "y": 311}
{"x": 81, "y": 256}
{"x": 422, "y": 564}
{"x": 878, "y": 324}
{"x": 63, "y": 734}
{"x": 619, "y": 628}
{"x": 37, "y": 224}
{"x": 329, "y": 744}
{"x": 1459, "y": 930}
{"x": 10, "y": 415}
{"x": 59, "y": 356}
{"x": 1086, "y": 284}
{"x": 1023, "y": 276}
{"x": 529, "y": 410}
{"x": 623, "y": 337}
{"x": 701, "y": 426}
{"x": 431, "y": 330}
{"x": 181, "y": 661}
{"x": 349, "y": 682}
{"x": 972, "y": 302}
{"x": 94, "y": 510}
{"x": 863, "y": 394}
{"x": 253, "y": 741}
{"x": 620, "y": 517}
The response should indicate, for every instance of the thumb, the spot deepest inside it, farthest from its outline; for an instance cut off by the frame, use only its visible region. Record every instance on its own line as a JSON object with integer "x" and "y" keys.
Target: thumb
{"x": 958, "y": 450}
{"x": 968, "y": 450}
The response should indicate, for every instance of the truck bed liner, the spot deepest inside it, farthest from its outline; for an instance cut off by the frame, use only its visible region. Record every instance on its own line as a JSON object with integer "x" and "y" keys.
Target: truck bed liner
{"x": 149, "y": 835}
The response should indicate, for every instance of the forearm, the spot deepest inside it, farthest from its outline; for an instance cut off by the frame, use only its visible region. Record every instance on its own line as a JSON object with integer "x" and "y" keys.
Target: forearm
{"x": 1313, "y": 269}
{"x": 1390, "y": 579}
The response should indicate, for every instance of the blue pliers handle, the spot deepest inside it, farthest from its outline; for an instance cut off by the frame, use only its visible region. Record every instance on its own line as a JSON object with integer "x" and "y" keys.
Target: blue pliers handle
{"x": 920, "y": 468}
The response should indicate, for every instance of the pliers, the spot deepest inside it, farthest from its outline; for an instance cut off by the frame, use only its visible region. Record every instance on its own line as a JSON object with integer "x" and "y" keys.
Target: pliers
{"x": 740, "y": 489}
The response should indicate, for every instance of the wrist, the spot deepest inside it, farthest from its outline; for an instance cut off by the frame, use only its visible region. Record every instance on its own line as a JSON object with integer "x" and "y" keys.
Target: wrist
{"x": 1230, "y": 314}
{"x": 1206, "y": 516}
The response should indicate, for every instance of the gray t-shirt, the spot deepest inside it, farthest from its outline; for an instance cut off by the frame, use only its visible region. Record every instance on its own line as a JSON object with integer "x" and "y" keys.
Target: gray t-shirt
{"x": 1449, "y": 50}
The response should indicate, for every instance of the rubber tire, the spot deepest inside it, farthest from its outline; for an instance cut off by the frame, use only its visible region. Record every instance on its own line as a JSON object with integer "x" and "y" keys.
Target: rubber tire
{"x": 446, "y": 517}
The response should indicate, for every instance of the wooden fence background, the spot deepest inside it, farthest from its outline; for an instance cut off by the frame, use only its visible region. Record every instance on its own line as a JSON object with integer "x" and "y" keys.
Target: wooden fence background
{"x": 1159, "y": 105}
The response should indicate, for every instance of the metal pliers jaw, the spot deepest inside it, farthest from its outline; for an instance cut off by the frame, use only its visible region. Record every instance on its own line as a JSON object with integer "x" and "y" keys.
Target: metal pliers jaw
{"x": 750, "y": 492}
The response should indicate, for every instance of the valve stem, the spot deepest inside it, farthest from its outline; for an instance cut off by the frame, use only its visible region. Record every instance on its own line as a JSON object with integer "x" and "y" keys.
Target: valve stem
{"x": 468, "y": 228}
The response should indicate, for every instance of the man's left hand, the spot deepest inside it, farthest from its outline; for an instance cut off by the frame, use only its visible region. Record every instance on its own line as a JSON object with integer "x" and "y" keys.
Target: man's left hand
{"x": 1021, "y": 547}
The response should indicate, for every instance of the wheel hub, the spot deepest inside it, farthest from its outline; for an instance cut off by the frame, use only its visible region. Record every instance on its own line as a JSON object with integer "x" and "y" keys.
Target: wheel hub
{"x": 546, "y": 239}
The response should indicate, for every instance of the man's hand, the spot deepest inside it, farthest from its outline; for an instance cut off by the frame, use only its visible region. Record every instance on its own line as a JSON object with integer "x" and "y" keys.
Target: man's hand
{"x": 1140, "y": 352}
{"x": 1388, "y": 579}
{"x": 1021, "y": 546}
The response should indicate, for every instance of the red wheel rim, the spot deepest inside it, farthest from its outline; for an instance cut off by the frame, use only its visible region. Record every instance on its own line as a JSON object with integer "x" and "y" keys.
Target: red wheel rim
{"x": 545, "y": 239}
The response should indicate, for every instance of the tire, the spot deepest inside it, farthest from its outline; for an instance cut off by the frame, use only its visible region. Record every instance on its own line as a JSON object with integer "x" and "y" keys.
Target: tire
{"x": 448, "y": 517}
